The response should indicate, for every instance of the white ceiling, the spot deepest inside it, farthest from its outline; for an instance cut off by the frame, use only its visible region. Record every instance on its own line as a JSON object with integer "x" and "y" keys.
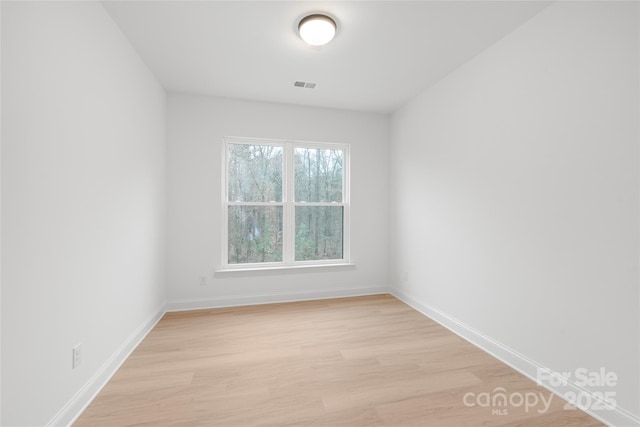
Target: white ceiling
{"x": 385, "y": 52}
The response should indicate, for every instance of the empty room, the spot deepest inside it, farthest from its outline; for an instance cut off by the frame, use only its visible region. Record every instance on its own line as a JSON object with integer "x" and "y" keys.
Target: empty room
{"x": 341, "y": 213}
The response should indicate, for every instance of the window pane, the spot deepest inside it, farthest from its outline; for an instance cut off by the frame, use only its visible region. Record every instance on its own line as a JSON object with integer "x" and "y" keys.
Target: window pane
{"x": 318, "y": 175}
{"x": 255, "y": 234}
{"x": 255, "y": 173}
{"x": 318, "y": 232}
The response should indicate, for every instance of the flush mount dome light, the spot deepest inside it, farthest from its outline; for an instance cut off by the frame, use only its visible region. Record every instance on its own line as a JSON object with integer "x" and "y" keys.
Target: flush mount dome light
{"x": 317, "y": 29}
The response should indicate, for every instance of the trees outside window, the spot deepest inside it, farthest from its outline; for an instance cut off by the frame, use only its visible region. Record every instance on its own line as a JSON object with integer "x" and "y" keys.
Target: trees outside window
{"x": 285, "y": 203}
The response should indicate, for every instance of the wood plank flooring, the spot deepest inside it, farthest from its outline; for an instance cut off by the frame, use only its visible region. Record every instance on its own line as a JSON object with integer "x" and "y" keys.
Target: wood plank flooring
{"x": 343, "y": 362}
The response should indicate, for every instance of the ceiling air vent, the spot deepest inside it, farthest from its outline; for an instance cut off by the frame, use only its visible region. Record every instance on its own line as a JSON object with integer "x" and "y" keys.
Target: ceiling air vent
{"x": 308, "y": 85}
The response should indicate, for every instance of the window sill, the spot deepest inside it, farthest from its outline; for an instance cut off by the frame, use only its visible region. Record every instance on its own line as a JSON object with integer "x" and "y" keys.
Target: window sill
{"x": 341, "y": 265}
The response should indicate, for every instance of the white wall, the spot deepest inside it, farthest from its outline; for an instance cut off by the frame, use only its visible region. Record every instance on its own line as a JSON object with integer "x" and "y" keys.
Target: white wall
{"x": 196, "y": 126}
{"x": 516, "y": 197}
{"x": 83, "y": 200}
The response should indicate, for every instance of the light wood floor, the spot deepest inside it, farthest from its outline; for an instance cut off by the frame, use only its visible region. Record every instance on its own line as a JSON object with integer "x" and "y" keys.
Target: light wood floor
{"x": 350, "y": 361}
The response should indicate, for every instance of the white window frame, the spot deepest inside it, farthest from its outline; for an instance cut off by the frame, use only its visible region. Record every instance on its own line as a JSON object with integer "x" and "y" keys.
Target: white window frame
{"x": 288, "y": 203}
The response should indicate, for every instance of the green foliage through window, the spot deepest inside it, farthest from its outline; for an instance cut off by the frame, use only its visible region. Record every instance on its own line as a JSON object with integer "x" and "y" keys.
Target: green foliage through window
{"x": 318, "y": 232}
{"x": 318, "y": 175}
{"x": 285, "y": 202}
{"x": 255, "y": 234}
{"x": 255, "y": 173}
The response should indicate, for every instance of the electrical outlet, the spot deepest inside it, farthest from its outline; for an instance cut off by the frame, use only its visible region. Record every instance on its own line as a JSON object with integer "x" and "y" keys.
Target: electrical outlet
{"x": 77, "y": 356}
{"x": 203, "y": 280}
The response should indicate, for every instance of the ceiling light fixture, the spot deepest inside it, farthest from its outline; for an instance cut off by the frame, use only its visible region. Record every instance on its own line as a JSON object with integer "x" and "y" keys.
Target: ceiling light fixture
{"x": 317, "y": 29}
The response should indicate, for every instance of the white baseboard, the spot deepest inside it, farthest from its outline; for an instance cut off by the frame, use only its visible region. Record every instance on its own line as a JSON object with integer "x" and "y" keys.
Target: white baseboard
{"x": 236, "y": 301}
{"x": 614, "y": 417}
{"x": 79, "y": 402}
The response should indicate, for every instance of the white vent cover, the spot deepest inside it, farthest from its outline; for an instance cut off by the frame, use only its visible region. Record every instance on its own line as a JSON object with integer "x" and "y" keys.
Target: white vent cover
{"x": 308, "y": 85}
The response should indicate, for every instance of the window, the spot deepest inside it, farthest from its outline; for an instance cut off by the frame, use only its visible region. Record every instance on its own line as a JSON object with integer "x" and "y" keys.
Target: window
{"x": 285, "y": 203}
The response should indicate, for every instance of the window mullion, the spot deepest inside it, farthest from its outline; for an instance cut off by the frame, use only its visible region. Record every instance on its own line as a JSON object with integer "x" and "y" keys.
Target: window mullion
{"x": 289, "y": 226}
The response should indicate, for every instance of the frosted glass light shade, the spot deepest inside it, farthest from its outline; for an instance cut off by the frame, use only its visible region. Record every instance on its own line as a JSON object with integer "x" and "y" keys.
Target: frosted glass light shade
{"x": 317, "y": 29}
